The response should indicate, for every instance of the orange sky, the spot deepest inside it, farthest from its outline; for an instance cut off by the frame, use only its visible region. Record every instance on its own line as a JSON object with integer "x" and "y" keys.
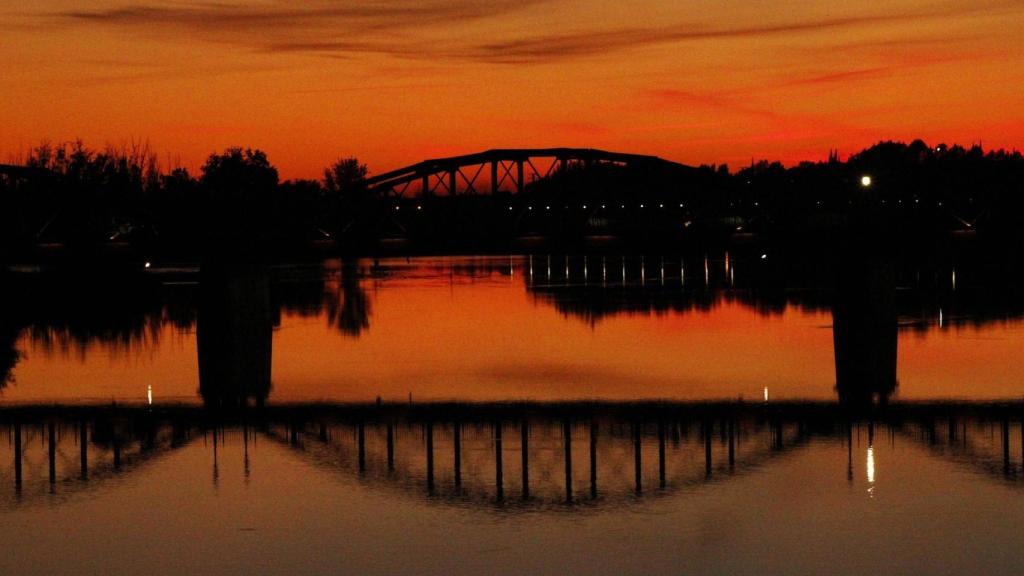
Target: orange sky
{"x": 395, "y": 81}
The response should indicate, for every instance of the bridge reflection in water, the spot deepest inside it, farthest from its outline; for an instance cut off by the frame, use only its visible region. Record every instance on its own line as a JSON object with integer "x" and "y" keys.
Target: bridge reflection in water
{"x": 536, "y": 456}
{"x": 541, "y": 456}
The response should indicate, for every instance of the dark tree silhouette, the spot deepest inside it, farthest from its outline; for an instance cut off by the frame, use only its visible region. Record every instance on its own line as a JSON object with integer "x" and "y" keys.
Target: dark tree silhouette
{"x": 238, "y": 191}
{"x": 345, "y": 179}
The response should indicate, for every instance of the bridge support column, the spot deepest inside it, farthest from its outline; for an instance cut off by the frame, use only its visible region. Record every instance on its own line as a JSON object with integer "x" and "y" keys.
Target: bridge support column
{"x": 453, "y": 181}
{"x": 519, "y": 177}
{"x": 426, "y": 186}
{"x": 494, "y": 177}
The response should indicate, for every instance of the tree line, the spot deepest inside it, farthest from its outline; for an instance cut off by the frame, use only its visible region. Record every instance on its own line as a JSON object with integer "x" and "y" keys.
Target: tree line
{"x": 82, "y": 198}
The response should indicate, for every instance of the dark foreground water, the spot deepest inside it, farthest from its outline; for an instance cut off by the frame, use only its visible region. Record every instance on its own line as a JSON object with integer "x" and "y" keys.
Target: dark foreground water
{"x": 513, "y": 415}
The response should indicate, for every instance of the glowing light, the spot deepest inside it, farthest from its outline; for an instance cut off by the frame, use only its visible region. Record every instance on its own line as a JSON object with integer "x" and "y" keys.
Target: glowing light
{"x": 419, "y": 207}
{"x": 149, "y": 394}
{"x": 766, "y": 394}
{"x": 148, "y": 264}
{"x": 764, "y": 256}
{"x": 865, "y": 181}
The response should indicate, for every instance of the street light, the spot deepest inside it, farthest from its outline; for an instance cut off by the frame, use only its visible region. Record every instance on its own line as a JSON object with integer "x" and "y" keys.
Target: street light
{"x": 865, "y": 181}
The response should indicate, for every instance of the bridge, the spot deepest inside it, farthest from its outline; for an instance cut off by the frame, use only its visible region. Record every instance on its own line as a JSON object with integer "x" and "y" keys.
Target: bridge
{"x": 508, "y": 167}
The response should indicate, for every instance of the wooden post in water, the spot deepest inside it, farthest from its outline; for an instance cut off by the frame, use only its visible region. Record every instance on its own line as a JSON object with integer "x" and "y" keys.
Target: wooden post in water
{"x": 430, "y": 458}
{"x": 391, "y": 446}
{"x": 849, "y": 452}
{"x": 458, "y": 454}
{"x": 661, "y": 454}
{"x": 361, "y": 441}
{"x": 83, "y": 448}
{"x": 637, "y": 455}
{"x": 593, "y": 458}
{"x": 117, "y": 448}
{"x": 567, "y": 445}
{"x": 17, "y": 456}
{"x": 1006, "y": 446}
{"x": 52, "y": 449}
{"x": 499, "y": 481}
{"x": 732, "y": 443}
{"x": 525, "y": 449}
{"x": 708, "y": 429}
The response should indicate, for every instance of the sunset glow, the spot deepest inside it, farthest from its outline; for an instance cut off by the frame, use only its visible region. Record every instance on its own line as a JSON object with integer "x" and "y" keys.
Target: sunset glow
{"x": 396, "y": 81}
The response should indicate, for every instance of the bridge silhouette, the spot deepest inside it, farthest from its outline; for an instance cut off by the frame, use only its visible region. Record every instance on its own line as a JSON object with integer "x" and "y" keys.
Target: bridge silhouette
{"x": 507, "y": 166}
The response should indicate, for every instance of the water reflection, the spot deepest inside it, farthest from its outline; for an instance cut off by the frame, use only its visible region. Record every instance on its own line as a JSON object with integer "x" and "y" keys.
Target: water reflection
{"x": 233, "y": 313}
{"x": 234, "y": 335}
{"x": 531, "y": 457}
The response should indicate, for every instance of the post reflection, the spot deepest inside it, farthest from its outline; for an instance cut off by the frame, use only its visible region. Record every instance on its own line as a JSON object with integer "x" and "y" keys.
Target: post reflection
{"x": 455, "y": 454}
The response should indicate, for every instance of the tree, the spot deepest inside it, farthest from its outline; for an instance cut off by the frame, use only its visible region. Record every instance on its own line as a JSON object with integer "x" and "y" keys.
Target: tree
{"x": 238, "y": 196}
{"x": 239, "y": 173}
{"x": 345, "y": 179}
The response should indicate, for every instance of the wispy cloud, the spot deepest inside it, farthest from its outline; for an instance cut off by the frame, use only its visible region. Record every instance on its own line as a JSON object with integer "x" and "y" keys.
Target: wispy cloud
{"x": 250, "y": 23}
{"x": 401, "y": 28}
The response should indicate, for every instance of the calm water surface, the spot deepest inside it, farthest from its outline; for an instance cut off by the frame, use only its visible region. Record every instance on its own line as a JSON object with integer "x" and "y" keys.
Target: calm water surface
{"x": 511, "y": 415}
